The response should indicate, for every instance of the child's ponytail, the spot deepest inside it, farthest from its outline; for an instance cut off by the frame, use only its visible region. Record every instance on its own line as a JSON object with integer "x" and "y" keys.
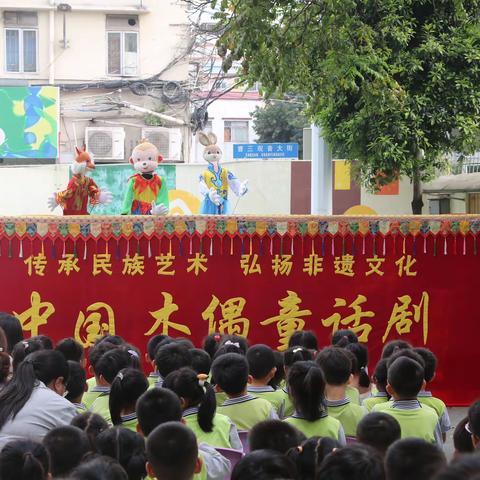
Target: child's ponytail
{"x": 207, "y": 406}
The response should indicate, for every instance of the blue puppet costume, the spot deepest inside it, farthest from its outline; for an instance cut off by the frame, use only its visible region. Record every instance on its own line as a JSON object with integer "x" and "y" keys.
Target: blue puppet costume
{"x": 216, "y": 181}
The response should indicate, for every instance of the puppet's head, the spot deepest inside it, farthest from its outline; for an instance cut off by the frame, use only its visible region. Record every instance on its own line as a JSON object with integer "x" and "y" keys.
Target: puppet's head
{"x": 212, "y": 152}
{"x": 145, "y": 157}
{"x": 83, "y": 162}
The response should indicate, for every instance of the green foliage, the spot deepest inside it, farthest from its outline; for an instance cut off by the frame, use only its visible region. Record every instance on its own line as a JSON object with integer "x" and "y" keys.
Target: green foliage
{"x": 280, "y": 122}
{"x": 395, "y": 84}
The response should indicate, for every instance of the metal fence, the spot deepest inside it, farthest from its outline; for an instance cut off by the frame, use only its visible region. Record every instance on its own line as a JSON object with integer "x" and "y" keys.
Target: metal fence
{"x": 465, "y": 163}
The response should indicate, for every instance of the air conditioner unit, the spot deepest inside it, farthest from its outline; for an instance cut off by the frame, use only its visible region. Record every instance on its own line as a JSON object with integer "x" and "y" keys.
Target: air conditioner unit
{"x": 106, "y": 143}
{"x": 167, "y": 140}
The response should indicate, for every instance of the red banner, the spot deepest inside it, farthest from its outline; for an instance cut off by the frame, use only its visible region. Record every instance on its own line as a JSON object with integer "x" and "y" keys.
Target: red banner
{"x": 421, "y": 289}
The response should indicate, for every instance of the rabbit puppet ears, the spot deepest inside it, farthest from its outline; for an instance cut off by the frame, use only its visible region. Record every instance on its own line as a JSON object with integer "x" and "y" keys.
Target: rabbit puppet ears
{"x": 207, "y": 138}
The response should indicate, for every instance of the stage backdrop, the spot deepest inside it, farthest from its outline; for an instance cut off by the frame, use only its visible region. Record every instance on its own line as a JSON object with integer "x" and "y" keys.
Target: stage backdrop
{"x": 264, "y": 278}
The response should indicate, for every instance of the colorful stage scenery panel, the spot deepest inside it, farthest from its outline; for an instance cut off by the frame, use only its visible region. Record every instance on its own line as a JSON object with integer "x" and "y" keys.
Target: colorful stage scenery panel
{"x": 414, "y": 278}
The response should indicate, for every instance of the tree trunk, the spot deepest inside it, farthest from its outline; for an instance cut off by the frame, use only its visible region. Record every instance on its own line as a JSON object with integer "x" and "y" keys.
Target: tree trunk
{"x": 417, "y": 201}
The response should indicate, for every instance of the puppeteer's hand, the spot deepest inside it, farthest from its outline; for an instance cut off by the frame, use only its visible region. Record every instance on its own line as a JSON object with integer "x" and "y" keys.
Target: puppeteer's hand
{"x": 215, "y": 197}
{"x": 52, "y": 202}
{"x": 105, "y": 197}
{"x": 243, "y": 188}
{"x": 160, "y": 209}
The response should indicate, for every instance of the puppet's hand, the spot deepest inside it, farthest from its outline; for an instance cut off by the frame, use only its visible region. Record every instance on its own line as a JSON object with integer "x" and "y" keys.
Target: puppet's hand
{"x": 105, "y": 197}
{"x": 160, "y": 209}
{"x": 243, "y": 188}
{"x": 215, "y": 197}
{"x": 52, "y": 202}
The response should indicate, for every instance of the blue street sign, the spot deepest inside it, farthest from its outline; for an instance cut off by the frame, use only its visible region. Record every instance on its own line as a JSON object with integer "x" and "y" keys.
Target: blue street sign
{"x": 252, "y": 151}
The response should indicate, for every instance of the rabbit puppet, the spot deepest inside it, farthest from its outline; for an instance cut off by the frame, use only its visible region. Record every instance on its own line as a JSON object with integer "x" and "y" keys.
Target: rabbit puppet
{"x": 215, "y": 181}
{"x": 81, "y": 190}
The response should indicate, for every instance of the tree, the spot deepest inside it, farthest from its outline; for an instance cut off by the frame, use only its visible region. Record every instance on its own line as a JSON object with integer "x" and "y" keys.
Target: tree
{"x": 280, "y": 121}
{"x": 395, "y": 84}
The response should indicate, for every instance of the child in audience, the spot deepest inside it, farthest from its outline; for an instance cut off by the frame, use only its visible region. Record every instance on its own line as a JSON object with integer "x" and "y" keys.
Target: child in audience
{"x": 473, "y": 425}
{"x": 127, "y": 448}
{"x": 274, "y": 435}
{"x": 127, "y": 387}
{"x": 66, "y": 448}
{"x": 152, "y": 346}
{"x": 394, "y": 346}
{"x": 278, "y": 380}
{"x": 106, "y": 369}
{"x": 405, "y": 380}
{"x": 261, "y": 365}
{"x": 12, "y": 328}
{"x": 76, "y": 385}
{"x": 5, "y": 367}
{"x": 24, "y": 348}
{"x": 307, "y": 390}
{"x": 380, "y": 379}
{"x": 92, "y": 424}
{"x": 197, "y": 398}
{"x": 237, "y": 341}
{"x": 211, "y": 343}
{"x": 24, "y": 460}
{"x": 361, "y": 380}
{"x": 172, "y": 453}
{"x": 414, "y": 459}
{"x": 306, "y": 339}
{"x": 351, "y": 392}
{"x": 201, "y": 361}
{"x": 99, "y": 468}
{"x": 378, "y": 430}
{"x": 160, "y": 405}
{"x": 462, "y": 439}
{"x": 337, "y": 367}
{"x": 346, "y": 333}
{"x": 171, "y": 357}
{"x": 72, "y": 350}
{"x": 425, "y": 397}
{"x": 467, "y": 467}
{"x": 304, "y": 457}
{"x": 264, "y": 465}
{"x": 231, "y": 375}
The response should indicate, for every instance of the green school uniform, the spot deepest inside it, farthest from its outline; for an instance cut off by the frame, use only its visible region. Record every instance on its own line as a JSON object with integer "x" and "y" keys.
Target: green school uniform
{"x": 289, "y": 407}
{"x": 130, "y": 421}
{"x": 220, "y": 397}
{"x": 349, "y": 414}
{"x": 81, "y": 408}
{"x": 415, "y": 419}
{"x": 89, "y": 397}
{"x": 153, "y": 378}
{"x": 246, "y": 411}
{"x": 370, "y": 402}
{"x": 101, "y": 406}
{"x": 91, "y": 382}
{"x": 426, "y": 398}
{"x": 325, "y": 426}
{"x": 275, "y": 397}
{"x": 353, "y": 394}
{"x": 219, "y": 437}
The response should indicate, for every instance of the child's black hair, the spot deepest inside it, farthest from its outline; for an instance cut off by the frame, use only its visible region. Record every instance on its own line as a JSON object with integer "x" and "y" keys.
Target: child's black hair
{"x": 307, "y": 339}
{"x": 378, "y": 430}
{"x": 279, "y": 376}
{"x": 325, "y": 446}
{"x": 408, "y": 353}
{"x": 152, "y": 345}
{"x": 307, "y": 389}
{"x": 12, "y": 328}
{"x": 414, "y": 459}
{"x": 474, "y": 418}
{"x": 211, "y": 343}
{"x": 127, "y": 387}
{"x": 361, "y": 354}
{"x": 196, "y": 392}
{"x": 95, "y": 353}
{"x": 186, "y": 342}
{"x": 157, "y": 406}
{"x": 335, "y": 364}
{"x": 406, "y": 377}
{"x": 44, "y": 365}
{"x": 77, "y": 380}
{"x": 344, "y": 335}
{"x": 127, "y": 448}
{"x": 466, "y": 467}
{"x": 228, "y": 348}
{"x": 92, "y": 424}
{"x": 429, "y": 360}
{"x": 296, "y": 354}
{"x": 45, "y": 340}
{"x": 113, "y": 339}
{"x": 111, "y": 362}
{"x": 355, "y": 462}
{"x": 134, "y": 355}
{"x": 24, "y": 348}
{"x": 264, "y": 465}
{"x": 201, "y": 361}
{"x": 380, "y": 375}
{"x": 172, "y": 356}
{"x": 260, "y": 360}
{"x": 24, "y": 460}
{"x": 5, "y": 364}
{"x": 238, "y": 341}
{"x": 462, "y": 440}
{"x": 172, "y": 451}
{"x": 393, "y": 346}
{"x": 230, "y": 372}
{"x": 274, "y": 435}
{"x": 66, "y": 446}
{"x": 99, "y": 468}
{"x": 305, "y": 458}
{"x": 71, "y": 349}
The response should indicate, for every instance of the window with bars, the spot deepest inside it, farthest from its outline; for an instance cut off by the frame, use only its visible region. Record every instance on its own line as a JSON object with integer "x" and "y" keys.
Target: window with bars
{"x": 235, "y": 131}
{"x": 122, "y": 45}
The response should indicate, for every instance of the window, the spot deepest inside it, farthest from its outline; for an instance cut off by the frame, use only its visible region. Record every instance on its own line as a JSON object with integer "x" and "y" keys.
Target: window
{"x": 439, "y": 206}
{"x": 122, "y": 45}
{"x": 235, "y": 131}
{"x": 20, "y": 41}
